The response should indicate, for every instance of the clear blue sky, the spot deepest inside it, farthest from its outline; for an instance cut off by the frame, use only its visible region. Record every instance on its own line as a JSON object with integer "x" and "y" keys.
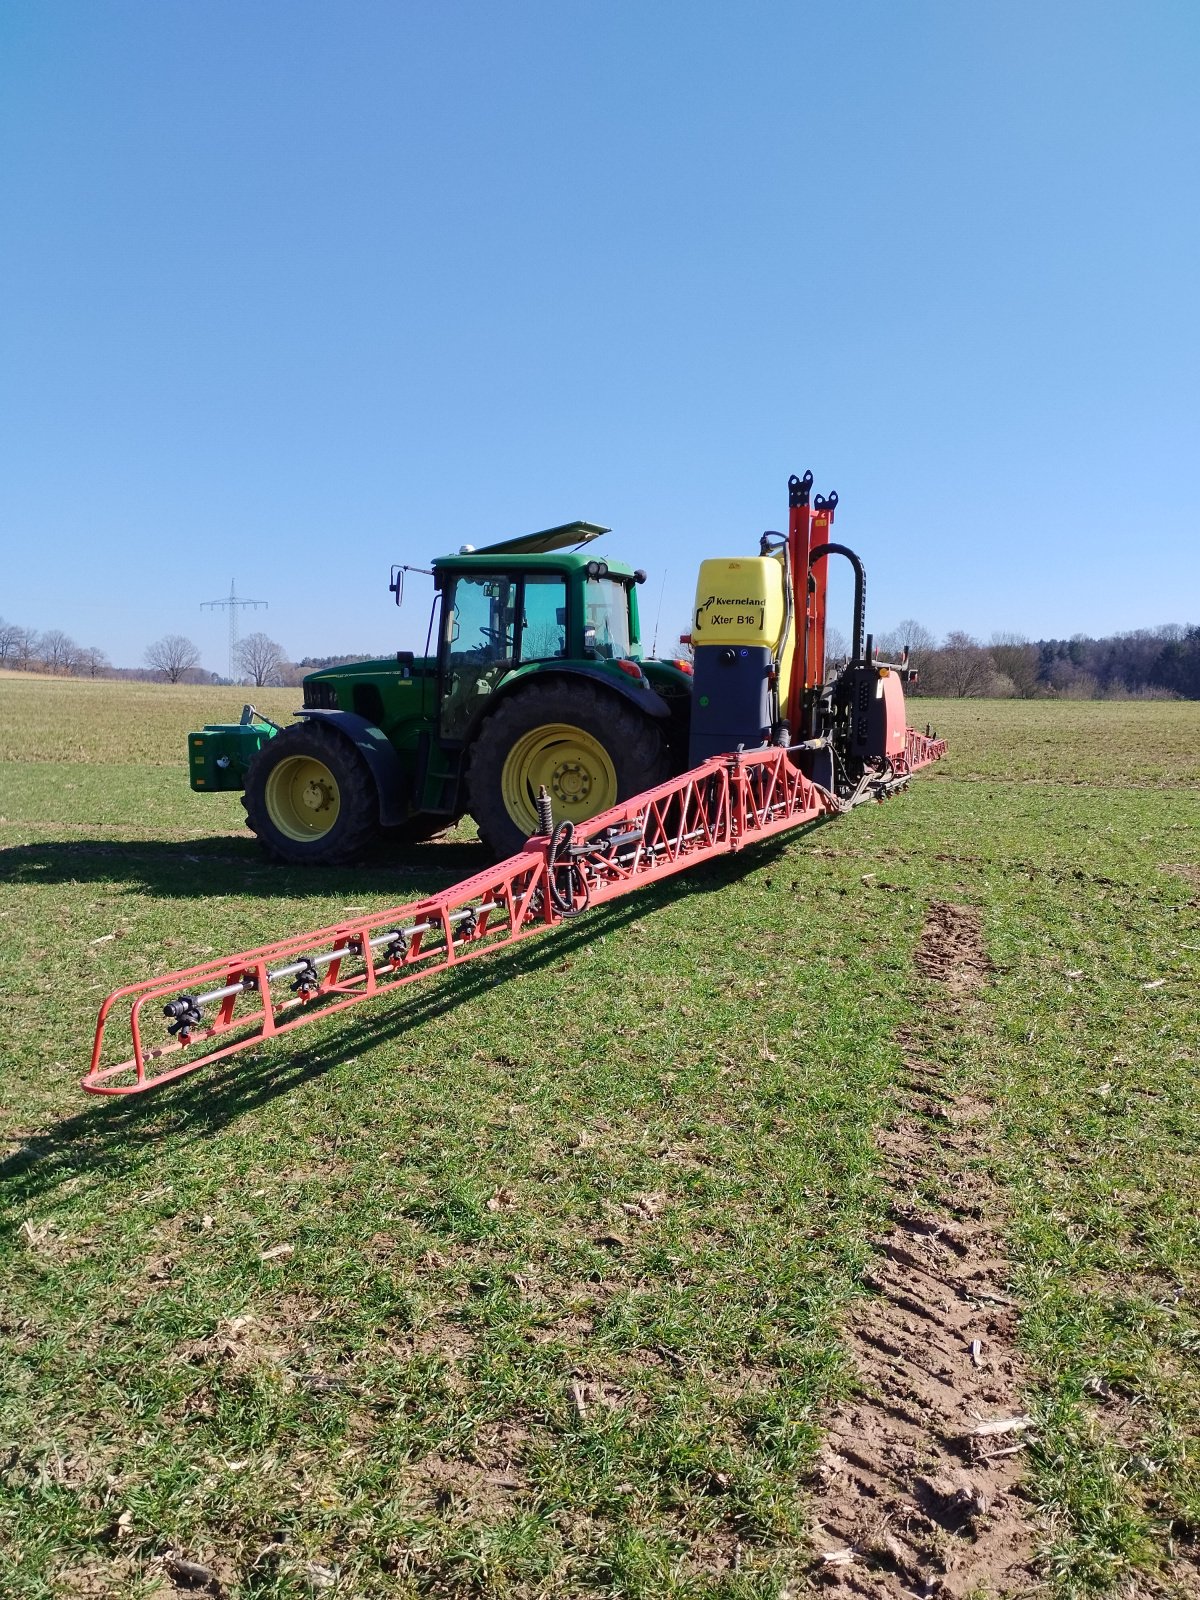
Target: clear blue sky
{"x": 290, "y": 291}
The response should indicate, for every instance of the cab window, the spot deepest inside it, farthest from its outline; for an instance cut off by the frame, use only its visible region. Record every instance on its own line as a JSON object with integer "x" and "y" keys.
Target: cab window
{"x": 480, "y": 619}
{"x": 606, "y": 619}
{"x": 544, "y": 618}
{"x": 477, "y": 641}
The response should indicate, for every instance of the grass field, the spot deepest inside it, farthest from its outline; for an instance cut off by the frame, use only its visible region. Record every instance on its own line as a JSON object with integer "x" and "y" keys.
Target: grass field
{"x": 530, "y": 1284}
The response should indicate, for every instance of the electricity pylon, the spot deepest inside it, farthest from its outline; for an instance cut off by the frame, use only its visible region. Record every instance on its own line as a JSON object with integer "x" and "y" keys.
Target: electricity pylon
{"x": 232, "y": 603}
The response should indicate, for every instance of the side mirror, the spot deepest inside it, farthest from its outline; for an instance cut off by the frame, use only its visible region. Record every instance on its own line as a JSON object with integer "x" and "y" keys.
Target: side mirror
{"x": 397, "y": 583}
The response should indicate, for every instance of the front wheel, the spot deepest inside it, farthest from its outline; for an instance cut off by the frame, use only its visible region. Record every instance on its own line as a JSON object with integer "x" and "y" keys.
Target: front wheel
{"x": 587, "y": 747}
{"x": 311, "y": 799}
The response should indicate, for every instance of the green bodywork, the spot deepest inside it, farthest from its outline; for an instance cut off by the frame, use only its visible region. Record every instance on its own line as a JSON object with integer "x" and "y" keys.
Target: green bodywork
{"x": 503, "y": 614}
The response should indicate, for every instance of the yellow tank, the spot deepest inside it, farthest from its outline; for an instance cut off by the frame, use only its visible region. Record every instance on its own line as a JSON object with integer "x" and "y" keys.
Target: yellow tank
{"x": 742, "y": 601}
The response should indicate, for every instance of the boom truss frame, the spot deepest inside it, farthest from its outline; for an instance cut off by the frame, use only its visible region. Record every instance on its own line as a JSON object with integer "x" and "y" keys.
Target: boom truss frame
{"x": 222, "y": 1007}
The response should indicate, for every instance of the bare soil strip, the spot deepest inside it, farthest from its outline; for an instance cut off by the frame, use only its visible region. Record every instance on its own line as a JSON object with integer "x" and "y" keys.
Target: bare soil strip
{"x": 919, "y": 1479}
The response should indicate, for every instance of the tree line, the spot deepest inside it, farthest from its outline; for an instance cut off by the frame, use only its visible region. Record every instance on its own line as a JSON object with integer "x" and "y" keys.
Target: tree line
{"x": 1147, "y": 663}
{"x": 172, "y": 659}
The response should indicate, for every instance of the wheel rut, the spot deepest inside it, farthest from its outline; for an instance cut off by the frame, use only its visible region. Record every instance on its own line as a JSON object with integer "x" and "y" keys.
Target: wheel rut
{"x": 918, "y": 1483}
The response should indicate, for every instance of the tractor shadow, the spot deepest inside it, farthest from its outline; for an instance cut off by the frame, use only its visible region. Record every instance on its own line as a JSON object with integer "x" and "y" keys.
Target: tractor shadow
{"x": 200, "y": 868}
{"x": 113, "y": 1138}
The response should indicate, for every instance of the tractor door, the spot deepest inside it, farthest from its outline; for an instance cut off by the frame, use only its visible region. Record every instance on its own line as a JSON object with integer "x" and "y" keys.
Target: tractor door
{"x": 491, "y": 624}
{"x": 478, "y": 646}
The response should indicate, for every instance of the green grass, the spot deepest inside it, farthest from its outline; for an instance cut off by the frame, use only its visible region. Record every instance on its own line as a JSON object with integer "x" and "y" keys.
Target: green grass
{"x": 1087, "y": 1046}
{"x": 1089, "y": 743}
{"x": 569, "y": 1231}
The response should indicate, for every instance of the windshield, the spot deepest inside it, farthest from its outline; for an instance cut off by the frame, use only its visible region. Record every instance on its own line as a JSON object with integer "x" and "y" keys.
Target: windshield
{"x": 606, "y": 619}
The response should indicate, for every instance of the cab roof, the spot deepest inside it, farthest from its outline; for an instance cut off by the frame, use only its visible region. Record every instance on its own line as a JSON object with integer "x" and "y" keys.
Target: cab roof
{"x": 565, "y": 536}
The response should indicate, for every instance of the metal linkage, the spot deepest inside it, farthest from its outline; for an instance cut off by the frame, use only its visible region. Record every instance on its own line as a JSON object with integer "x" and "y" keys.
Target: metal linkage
{"x": 920, "y": 749}
{"x": 222, "y": 1007}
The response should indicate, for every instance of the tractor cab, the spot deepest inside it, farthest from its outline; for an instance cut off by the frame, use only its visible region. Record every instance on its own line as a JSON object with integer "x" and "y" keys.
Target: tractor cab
{"x": 522, "y": 606}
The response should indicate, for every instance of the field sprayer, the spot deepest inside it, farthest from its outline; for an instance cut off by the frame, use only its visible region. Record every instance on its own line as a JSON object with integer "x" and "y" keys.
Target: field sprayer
{"x": 769, "y": 744}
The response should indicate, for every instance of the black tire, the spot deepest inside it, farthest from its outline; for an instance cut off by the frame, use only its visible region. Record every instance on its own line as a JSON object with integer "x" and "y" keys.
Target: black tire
{"x": 634, "y": 748}
{"x": 311, "y": 799}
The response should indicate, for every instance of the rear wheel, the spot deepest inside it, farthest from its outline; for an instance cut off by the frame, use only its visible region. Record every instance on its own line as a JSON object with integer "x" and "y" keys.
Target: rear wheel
{"x": 311, "y": 799}
{"x": 586, "y": 746}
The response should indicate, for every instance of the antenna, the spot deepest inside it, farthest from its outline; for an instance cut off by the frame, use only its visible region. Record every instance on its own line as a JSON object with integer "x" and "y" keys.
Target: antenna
{"x": 658, "y": 615}
{"x": 231, "y": 603}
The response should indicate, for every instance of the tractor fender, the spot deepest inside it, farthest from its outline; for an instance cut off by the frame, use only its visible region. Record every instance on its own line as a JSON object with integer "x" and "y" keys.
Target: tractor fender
{"x": 647, "y": 700}
{"x": 392, "y": 782}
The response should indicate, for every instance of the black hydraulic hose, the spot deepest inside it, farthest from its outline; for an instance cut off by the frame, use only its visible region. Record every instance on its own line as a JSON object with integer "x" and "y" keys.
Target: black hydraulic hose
{"x": 860, "y": 591}
{"x": 558, "y": 859}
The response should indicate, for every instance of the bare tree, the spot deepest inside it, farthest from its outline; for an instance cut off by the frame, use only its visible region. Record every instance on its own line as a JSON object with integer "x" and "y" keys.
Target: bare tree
{"x": 92, "y": 661}
{"x": 910, "y": 633}
{"x": 58, "y": 651}
{"x": 1016, "y": 659}
{"x": 910, "y": 636}
{"x": 964, "y": 665}
{"x": 24, "y": 648}
{"x": 8, "y": 638}
{"x": 261, "y": 659}
{"x": 916, "y": 636}
{"x": 172, "y": 655}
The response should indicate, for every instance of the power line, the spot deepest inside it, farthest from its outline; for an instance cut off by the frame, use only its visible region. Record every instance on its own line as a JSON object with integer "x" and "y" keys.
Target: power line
{"x": 658, "y": 614}
{"x": 232, "y": 603}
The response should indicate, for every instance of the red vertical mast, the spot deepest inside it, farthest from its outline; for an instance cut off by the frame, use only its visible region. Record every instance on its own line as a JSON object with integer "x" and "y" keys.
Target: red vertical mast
{"x": 799, "y": 544}
{"x": 819, "y": 531}
{"x": 808, "y": 527}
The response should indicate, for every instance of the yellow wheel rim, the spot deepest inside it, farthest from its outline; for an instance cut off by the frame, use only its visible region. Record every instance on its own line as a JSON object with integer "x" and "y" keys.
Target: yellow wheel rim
{"x": 576, "y": 770}
{"x": 302, "y": 798}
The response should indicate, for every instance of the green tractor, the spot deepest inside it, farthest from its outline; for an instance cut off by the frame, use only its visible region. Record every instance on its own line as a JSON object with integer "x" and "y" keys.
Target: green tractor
{"x": 538, "y": 682}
